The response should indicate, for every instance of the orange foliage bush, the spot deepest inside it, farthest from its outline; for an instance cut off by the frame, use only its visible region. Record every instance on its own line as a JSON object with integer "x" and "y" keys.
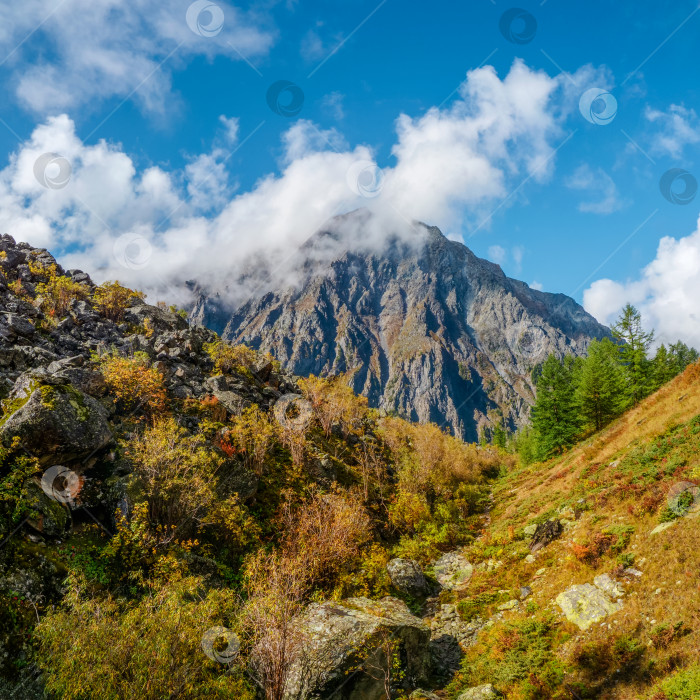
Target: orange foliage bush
{"x": 334, "y": 402}
{"x": 135, "y": 383}
{"x": 112, "y": 300}
{"x": 324, "y": 533}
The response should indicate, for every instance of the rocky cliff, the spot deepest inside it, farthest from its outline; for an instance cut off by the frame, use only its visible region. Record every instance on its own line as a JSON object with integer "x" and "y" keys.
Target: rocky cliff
{"x": 426, "y": 328}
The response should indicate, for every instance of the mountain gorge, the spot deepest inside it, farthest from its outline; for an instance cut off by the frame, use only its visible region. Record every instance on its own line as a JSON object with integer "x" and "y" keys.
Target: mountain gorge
{"x": 423, "y": 326}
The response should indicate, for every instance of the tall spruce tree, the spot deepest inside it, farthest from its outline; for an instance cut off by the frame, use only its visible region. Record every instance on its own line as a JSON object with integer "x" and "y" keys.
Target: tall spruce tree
{"x": 635, "y": 342}
{"x": 555, "y": 414}
{"x": 682, "y": 356}
{"x": 664, "y": 367}
{"x": 601, "y": 385}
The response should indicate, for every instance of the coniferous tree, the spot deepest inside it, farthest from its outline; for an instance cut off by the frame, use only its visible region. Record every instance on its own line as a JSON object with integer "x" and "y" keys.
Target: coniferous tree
{"x": 682, "y": 356}
{"x": 601, "y": 385}
{"x": 635, "y": 342}
{"x": 555, "y": 415}
{"x": 664, "y": 367}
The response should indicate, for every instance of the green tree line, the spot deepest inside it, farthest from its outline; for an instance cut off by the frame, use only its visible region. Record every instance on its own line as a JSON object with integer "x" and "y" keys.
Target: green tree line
{"x": 576, "y": 395}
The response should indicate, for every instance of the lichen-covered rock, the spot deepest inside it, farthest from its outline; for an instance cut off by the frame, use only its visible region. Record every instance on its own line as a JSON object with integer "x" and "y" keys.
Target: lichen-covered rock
{"x": 585, "y": 604}
{"x": 423, "y": 695}
{"x": 481, "y": 692}
{"x": 336, "y": 632}
{"x": 407, "y": 576}
{"x": 56, "y": 423}
{"x": 608, "y": 585}
{"x": 47, "y": 515}
{"x": 453, "y": 571}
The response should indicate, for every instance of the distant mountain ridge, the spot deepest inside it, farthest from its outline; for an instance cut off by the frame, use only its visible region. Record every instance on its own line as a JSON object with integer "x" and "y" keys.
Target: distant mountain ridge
{"x": 430, "y": 330}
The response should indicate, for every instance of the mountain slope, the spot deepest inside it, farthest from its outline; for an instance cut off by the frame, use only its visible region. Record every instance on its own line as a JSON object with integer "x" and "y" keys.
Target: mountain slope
{"x": 627, "y": 504}
{"x": 430, "y": 330}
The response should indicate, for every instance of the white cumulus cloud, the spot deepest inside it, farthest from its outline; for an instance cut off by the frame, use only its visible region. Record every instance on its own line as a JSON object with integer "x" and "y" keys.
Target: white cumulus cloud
{"x": 666, "y": 292}
{"x": 115, "y": 48}
{"x": 451, "y": 166}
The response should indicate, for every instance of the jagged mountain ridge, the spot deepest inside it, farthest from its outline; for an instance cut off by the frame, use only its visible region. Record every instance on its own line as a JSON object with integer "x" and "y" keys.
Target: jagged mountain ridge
{"x": 430, "y": 330}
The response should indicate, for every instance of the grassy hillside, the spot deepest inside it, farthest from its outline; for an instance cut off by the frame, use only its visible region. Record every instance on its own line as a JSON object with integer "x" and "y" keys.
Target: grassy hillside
{"x": 611, "y": 492}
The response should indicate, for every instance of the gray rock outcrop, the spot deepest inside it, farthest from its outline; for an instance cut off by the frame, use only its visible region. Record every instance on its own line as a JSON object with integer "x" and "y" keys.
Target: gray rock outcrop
{"x": 344, "y": 649}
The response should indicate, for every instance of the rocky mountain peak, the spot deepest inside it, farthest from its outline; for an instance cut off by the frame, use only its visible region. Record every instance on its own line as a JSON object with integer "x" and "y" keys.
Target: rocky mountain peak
{"x": 424, "y": 326}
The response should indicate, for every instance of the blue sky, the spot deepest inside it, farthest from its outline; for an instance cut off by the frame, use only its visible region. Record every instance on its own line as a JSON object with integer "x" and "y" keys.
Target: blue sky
{"x": 165, "y": 122}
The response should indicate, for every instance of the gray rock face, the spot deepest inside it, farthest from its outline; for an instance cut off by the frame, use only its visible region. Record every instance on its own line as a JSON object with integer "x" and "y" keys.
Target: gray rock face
{"x": 336, "y": 631}
{"x": 433, "y": 332}
{"x": 408, "y": 577}
{"x": 56, "y": 423}
{"x": 453, "y": 571}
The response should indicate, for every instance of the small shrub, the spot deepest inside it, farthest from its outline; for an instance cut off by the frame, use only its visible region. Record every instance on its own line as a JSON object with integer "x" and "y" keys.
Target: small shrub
{"x": 254, "y": 434}
{"x": 682, "y": 685}
{"x": 177, "y": 472}
{"x": 135, "y": 384}
{"x": 112, "y": 300}
{"x": 230, "y": 358}
{"x": 97, "y": 646}
{"x": 58, "y": 291}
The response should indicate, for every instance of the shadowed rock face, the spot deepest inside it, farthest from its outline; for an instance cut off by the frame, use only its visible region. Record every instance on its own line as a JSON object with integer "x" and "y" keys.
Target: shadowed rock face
{"x": 430, "y": 330}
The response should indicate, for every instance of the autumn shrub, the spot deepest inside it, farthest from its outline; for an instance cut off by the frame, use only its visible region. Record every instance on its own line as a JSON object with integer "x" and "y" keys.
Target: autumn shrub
{"x": 276, "y": 588}
{"x": 135, "y": 383}
{"x": 254, "y": 434}
{"x": 16, "y": 471}
{"x": 231, "y": 358}
{"x": 233, "y": 525}
{"x": 368, "y": 578}
{"x": 176, "y": 471}
{"x": 325, "y": 533}
{"x": 431, "y": 461}
{"x": 321, "y": 537}
{"x": 57, "y": 291}
{"x": 408, "y": 511}
{"x": 212, "y": 407}
{"x": 96, "y": 647}
{"x": 112, "y": 299}
{"x": 334, "y": 403}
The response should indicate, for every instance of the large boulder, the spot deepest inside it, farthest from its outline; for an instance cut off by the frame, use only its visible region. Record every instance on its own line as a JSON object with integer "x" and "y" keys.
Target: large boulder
{"x": 453, "y": 571}
{"x": 408, "y": 577}
{"x": 545, "y": 533}
{"x": 343, "y": 655}
{"x": 480, "y": 692}
{"x": 55, "y": 423}
{"x": 586, "y": 604}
